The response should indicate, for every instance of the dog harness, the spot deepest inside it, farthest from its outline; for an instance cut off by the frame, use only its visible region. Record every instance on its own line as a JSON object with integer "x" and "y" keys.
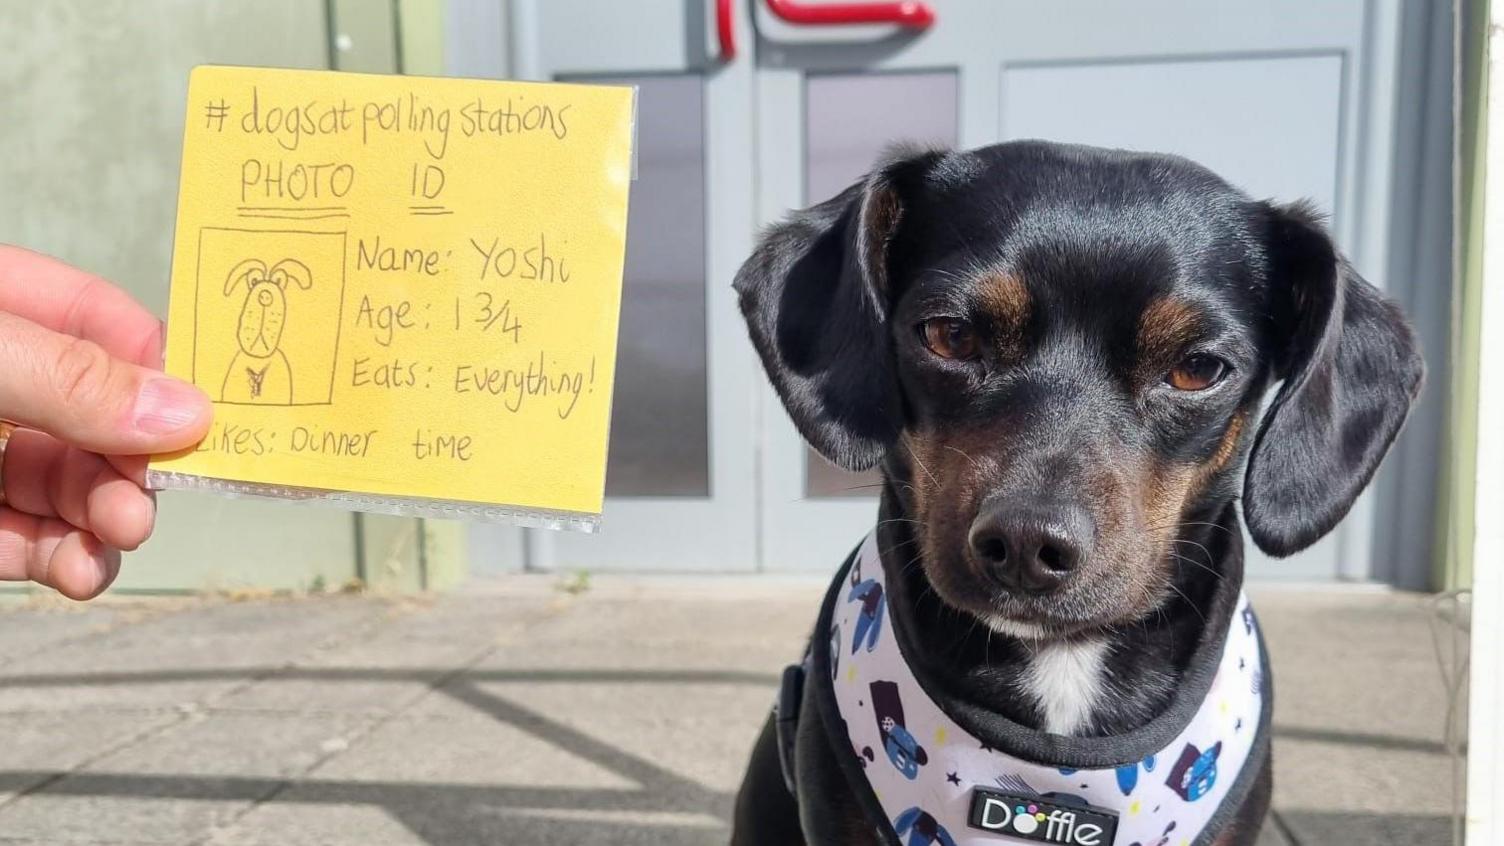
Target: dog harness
{"x": 928, "y": 775}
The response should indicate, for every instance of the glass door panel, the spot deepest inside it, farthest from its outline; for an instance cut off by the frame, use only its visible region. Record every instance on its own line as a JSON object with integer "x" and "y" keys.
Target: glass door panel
{"x": 839, "y": 124}
{"x": 680, "y": 490}
{"x": 660, "y": 415}
{"x": 844, "y": 136}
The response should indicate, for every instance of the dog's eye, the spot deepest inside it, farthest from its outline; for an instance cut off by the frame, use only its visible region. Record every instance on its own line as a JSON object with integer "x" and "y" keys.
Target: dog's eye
{"x": 1196, "y": 372}
{"x": 948, "y": 337}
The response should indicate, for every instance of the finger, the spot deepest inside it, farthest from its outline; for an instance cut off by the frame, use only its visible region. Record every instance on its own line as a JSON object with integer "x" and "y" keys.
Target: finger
{"x": 121, "y": 514}
{"x": 76, "y": 391}
{"x": 50, "y": 552}
{"x": 132, "y": 467}
{"x": 48, "y": 478}
{"x": 68, "y": 300}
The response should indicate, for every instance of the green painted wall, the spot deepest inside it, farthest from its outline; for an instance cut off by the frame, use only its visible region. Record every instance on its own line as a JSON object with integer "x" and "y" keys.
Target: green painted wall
{"x": 92, "y": 96}
{"x": 1461, "y": 447}
{"x": 388, "y": 36}
{"x": 421, "y": 36}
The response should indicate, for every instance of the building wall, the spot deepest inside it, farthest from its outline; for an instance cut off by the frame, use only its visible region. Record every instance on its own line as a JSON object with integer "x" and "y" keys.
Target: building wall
{"x": 91, "y": 109}
{"x": 92, "y": 97}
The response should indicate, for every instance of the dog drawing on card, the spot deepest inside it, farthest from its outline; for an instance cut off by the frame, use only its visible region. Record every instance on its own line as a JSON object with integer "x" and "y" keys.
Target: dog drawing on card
{"x": 259, "y": 373}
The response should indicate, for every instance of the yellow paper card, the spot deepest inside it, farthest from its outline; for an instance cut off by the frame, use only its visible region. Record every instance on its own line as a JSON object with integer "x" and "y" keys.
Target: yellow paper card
{"x": 401, "y": 292}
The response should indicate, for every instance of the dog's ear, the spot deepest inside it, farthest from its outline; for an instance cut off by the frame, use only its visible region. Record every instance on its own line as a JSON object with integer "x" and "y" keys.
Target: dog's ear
{"x": 241, "y": 271}
{"x": 292, "y": 269}
{"x": 1351, "y": 371}
{"x": 815, "y": 294}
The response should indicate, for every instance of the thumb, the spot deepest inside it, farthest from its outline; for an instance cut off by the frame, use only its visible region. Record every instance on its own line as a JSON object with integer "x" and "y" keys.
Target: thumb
{"x": 80, "y": 394}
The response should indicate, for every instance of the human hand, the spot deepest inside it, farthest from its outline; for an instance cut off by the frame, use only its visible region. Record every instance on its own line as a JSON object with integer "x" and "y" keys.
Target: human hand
{"x": 80, "y": 366}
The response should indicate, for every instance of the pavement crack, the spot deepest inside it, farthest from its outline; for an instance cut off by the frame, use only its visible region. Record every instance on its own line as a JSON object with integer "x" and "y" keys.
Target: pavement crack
{"x": 88, "y": 761}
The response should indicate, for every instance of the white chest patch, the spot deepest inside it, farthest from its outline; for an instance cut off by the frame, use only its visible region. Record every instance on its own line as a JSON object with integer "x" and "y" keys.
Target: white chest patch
{"x": 1065, "y": 680}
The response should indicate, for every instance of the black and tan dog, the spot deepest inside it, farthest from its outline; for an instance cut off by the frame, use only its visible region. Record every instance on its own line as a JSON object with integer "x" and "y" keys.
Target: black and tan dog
{"x": 1057, "y": 355}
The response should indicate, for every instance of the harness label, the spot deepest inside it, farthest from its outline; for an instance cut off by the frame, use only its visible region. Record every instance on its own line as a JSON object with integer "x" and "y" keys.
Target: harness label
{"x": 1039, "y": 820}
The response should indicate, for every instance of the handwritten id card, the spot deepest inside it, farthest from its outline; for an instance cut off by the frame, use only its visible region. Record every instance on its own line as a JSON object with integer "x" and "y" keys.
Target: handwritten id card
{"x": 401, "y": 293}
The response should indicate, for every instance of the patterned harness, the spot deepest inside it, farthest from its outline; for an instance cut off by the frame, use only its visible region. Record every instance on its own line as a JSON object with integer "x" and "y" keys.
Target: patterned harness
{"x": 925, "y": 775}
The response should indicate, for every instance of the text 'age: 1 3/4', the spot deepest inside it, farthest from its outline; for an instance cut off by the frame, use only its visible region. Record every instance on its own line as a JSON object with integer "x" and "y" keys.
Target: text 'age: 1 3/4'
{"x": 489, "y": 314}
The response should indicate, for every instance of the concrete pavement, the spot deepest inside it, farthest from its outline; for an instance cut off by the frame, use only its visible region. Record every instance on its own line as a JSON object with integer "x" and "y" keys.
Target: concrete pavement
{"x": 515, "y": 712}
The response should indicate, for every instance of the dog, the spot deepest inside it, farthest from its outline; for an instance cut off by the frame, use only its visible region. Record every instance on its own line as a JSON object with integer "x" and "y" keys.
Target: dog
{"x": 259, "y": 373}
{"x": 1058, "y": 356}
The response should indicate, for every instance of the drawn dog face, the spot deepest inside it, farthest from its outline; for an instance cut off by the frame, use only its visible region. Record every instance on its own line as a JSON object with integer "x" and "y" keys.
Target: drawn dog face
{"x": 1058, "y": 354}
{"x": 264, "y": 311}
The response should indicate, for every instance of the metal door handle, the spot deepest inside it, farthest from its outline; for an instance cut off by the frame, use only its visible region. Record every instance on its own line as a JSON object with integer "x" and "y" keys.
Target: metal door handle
{"x": 723, "y": 30}
{"x": 906, "y": 13}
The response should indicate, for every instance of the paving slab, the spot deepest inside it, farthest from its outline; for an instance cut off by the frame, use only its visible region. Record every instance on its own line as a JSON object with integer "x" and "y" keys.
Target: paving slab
{"x": 469, "y": 747}
{"x": 210, "y": 767}
{"x": 36, "y": 625}
{"x": 414, "y": 644}
{"x": 297, "y": 820}
{"x": 171, "y": 660}
{"x": 513, "y": 712}
{"x": 1360, "y": 708}
{"x": 39, "y": 747}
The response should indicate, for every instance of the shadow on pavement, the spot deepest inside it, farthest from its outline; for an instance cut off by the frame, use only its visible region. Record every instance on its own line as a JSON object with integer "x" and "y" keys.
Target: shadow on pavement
{"x": 664, "y": 808}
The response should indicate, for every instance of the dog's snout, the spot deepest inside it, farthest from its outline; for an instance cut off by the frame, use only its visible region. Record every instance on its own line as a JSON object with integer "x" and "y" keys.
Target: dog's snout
{"x": 1031, "y": 547}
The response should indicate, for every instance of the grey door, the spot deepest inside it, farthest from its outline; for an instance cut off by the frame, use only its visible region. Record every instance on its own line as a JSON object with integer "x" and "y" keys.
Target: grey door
{"x": 680, "y": 480}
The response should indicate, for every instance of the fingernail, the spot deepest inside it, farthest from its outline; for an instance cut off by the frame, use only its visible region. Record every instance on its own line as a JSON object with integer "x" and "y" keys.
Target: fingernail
{"x": 167, "y": 405}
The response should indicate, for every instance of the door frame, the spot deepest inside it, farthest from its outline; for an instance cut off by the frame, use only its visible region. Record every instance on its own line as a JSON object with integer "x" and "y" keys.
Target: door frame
{"x": 755, "y": 519}
{"x": 655, "y": 533}
{"x": 1485, "y": 764}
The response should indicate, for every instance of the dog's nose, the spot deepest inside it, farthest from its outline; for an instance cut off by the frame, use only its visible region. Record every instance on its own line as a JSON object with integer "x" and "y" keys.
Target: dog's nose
{"x": 1031, "y": 547}
{"x": 265, "y": 298}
